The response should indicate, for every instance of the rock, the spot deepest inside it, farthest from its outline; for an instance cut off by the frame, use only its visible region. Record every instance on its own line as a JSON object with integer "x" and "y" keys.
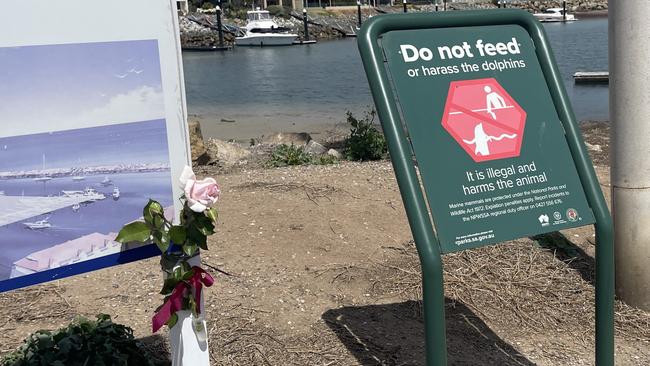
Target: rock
{"x": 314, "y": 148}
{"x": 289, "y": 138}
{"x": 199, "y": 152}
{"x": 335, "y": 153}
{"x": 226, "y": 153}
{"x": 593, "y": 147}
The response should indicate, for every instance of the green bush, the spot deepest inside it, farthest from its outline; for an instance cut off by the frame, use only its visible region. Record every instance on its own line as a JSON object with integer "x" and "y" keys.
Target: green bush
{"x": 286, "y": 155}
{"x": 325, "y": 160}
{"x": 365, "y": 142}
{"x": 83, "y": 342}
{"x": 207, "y": 6}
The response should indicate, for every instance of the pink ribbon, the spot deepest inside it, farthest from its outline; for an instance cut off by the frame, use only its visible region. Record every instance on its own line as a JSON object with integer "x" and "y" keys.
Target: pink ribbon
{"x": 175, "y": 301}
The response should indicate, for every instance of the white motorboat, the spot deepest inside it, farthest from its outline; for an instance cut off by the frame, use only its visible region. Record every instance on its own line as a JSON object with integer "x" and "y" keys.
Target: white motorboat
{"x": 36, "y": 225}
{"x": 78, "y": 178}
{"x": 88, "y": 194}
{"x": 554, "y": 15}
{"x": 76, "y": 207}
{"x": 261, "y": 30}
{"x": 106, "y": 182}
{"x": 116, "y": 193}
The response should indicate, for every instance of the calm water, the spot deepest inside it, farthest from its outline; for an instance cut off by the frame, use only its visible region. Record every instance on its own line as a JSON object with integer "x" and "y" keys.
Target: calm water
{"x": 103, "y": 216}
{"x": 316, "y": 84}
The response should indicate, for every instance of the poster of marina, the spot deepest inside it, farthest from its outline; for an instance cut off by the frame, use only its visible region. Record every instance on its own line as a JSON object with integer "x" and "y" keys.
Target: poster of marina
{"x": 101, "y": 151}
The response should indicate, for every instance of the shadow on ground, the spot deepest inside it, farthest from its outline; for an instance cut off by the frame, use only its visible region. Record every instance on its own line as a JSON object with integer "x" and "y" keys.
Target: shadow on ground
{"x": 569, "y": 253}
{"x": 393, "y": 334}
{"x": 157, "y": 347}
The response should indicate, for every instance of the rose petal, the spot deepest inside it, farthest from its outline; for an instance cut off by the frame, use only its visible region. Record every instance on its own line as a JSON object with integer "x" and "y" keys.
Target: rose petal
{"x": 186, "y": 175}
{"x": 196, "y": 206}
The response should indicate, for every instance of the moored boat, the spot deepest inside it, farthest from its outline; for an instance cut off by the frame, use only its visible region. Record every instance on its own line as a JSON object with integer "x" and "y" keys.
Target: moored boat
{"x": 88, "y": 194}
{"x": 554, "y": 15}
{"x": 261, "y": 30}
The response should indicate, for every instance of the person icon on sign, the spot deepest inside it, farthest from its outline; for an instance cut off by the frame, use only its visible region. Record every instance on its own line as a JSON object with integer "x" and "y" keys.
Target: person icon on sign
{"x": 493, "y": 101}
{"x": 481, "y": 140}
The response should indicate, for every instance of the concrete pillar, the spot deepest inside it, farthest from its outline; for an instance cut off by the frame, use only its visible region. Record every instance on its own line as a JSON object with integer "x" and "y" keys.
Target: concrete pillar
{"x": 629, "y": 102}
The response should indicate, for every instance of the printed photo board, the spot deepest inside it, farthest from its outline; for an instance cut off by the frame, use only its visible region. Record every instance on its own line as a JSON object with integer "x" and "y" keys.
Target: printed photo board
{"x": 92, "y": 125}
{"x": 486, "y": 135}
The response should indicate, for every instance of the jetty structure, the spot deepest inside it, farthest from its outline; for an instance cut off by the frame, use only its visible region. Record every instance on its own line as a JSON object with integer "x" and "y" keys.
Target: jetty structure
{"x": 87, "y": 247}
{"x": 591, "y": 77}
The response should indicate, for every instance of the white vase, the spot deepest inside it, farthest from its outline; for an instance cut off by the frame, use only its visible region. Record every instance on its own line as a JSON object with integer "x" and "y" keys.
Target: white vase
{"x": 189, "y": 336}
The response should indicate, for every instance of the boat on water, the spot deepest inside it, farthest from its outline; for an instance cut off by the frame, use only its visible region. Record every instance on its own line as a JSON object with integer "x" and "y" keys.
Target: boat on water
{"x": 76, "y": 207}
{"x": 261, "y": 31}
{"x": 116, "y": 193}
{"x": 44, "y": 177}
{"x": 36, "y": 225}
{"x": 88, "y": 194}
{"x": 106, "y": 182}
{"x": 78, "y": 178}
{"x": 554, "y": 15}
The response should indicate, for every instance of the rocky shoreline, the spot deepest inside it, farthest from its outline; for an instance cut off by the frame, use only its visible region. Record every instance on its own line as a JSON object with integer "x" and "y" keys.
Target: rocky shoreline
{"x": 198, "y": 30}
{"x": 230, "y": 156}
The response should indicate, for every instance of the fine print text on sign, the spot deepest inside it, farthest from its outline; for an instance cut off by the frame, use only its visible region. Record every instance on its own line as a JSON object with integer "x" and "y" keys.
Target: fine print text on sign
{"x": 491, "y": 149}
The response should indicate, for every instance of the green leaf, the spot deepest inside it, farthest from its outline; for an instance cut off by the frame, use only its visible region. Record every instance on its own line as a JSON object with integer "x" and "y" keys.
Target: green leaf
{"x": 169, "y": 285}
{"x": 151, "y": 210}
{"x": 136, "y": 231}
{"x": 204, "y": 225}
{"x": 190, "y": 249}
{"x": 161, "y": 238}
{"x": 172, "y": 320}
{"x": 178, "y": 234}
{"x": 196, "y": 237}
{"x": 212, "y": 214}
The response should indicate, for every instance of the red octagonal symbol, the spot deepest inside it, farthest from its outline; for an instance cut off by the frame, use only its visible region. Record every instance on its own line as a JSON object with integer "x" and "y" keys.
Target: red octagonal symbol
{"x": 484, "y": 119}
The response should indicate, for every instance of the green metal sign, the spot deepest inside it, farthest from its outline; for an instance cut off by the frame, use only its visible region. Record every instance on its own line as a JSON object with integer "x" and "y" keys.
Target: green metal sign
{"x": 477, "y": 98}
{"x": 488, "y": 141}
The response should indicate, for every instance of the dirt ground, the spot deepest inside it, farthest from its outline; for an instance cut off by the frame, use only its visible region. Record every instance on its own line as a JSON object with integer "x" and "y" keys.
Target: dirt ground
{"x": 324, "y": 272}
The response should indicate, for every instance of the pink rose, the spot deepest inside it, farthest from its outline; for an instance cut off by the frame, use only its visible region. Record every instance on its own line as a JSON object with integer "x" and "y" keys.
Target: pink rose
{"x": 201, "y": 194}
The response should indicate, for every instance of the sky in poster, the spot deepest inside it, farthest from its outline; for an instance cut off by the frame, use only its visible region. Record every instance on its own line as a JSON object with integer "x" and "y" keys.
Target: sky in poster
{"x": 60, "y": 87}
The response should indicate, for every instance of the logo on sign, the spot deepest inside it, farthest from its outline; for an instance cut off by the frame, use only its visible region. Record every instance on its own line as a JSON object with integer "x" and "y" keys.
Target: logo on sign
{"x": 543, "y": 219}
{"x": 572, "y": 214}
{"x": 484, "y": 119}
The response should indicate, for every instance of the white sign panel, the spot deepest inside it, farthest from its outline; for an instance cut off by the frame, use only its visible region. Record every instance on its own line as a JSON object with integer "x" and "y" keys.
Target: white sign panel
{"x": 92, "y": 125}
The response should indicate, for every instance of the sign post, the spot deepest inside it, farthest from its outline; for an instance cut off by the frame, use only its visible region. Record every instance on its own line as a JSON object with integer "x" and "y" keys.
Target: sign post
{"x": 477, "y": 98}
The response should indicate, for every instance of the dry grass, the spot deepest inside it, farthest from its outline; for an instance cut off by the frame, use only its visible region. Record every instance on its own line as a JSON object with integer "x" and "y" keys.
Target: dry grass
{"x": 516, "y": 286}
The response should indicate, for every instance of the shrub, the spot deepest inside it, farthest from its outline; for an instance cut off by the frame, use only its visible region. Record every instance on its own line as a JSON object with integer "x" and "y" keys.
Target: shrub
{"x": 207, "y": 6}
{"x": 83, "y": 342}
{"x": 284, "y": 155}
{"x": 325, "y": 160}
{"x": 365, "y": 142}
